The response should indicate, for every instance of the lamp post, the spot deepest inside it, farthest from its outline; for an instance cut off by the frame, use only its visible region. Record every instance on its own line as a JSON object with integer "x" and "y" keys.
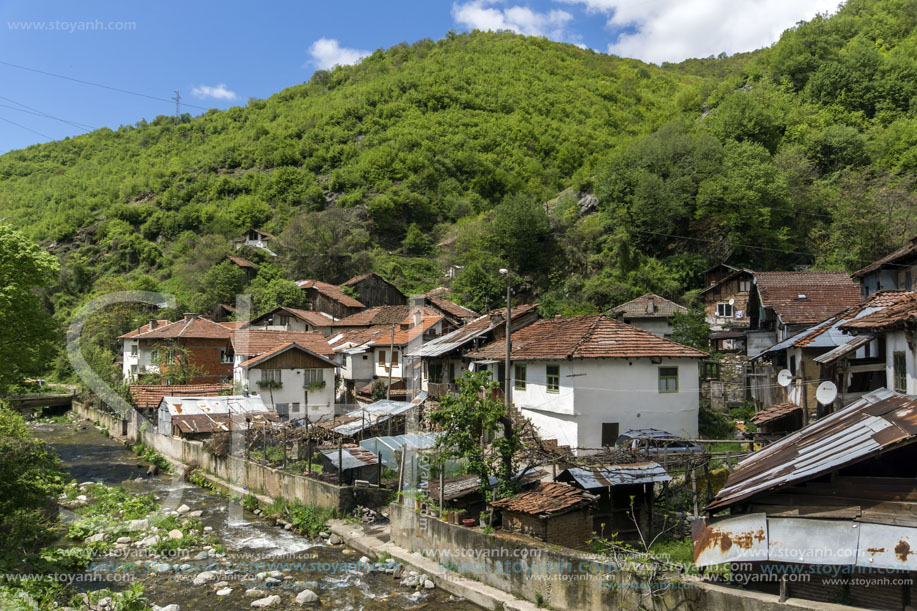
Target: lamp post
{"x": 509, "y": 316}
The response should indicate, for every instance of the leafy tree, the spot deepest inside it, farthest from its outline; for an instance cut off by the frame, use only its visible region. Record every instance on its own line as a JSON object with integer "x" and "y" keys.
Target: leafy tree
{"x": 521, "y": 230}
{"x": 221, "y": 284}
{"x": 473, "y": 415}
{"x": 416, "y": 241}
{"x": 28, "y": 329}
{"x": 477, "y": 289}
{"x": 691, "y": 329}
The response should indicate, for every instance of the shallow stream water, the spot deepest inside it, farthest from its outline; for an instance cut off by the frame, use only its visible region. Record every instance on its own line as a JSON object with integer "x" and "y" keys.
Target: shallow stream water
{"x": 253, "y": 545}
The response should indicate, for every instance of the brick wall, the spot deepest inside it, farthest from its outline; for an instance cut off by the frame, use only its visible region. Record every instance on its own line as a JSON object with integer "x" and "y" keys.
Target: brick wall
{"x": 572, "y": 529}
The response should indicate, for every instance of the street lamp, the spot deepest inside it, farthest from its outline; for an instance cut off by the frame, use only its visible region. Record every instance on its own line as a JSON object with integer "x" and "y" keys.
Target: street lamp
{"x": 506, "y": 373}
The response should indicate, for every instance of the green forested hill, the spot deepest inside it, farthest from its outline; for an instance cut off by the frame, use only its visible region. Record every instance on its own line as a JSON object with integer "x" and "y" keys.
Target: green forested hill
{"x": 476, "y": 149}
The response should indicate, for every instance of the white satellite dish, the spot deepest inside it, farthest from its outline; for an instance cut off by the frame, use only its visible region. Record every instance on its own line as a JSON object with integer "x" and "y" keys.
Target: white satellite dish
{"x": 784, "y": 377}
{"x": 732, "y": 302}
{"x": 826, "y": 393}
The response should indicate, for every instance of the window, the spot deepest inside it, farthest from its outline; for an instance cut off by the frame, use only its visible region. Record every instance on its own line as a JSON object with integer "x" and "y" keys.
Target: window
{"x": 668, "y": 379}
{"x": 435, "y": 372}
{"x": 133, "y": 371}
{"x": 133, "y": 349}
{"x": 312, "y": 376}
{"x": 294, "y": 408}
{"x": 270, "y": 375}
{"x": 553, "y": 377}
{"x": 170, "y": 356}
{"x": 724, "y": 310}
{"x": 382, "y": 358}
{"x": 520, "y": 377}
{"x": 610, "y": 433}
{"x": 225, "y": 356}
{"x": 711, "y": 370}
{"x": 283, "y": 320}
{"x": 744, "y": 286}
{"x": 900, "y": 372}
{"x": 394, "y": 358}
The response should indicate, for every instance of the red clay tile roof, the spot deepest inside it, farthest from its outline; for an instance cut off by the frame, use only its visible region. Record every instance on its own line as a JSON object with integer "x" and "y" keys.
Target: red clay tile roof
{"x": 233, "y": 324}
{"x": 330, "y": 291}
{"x": 381, "y": 315}
{"x": 381, "y": 335}
{"x": 826, "y": 293}
{"x": 195, "y": 327}
{"x": 547, "y": 498}
{"x": 361, "y": 277}
{"x": 584, "y": 337}
{"x": 880, "y": 299}
{"x": 144, "y": 329}
{"x": 640, "y": 307}
{"x": 316, "y": 319}
{"x": 897, "y": 315}
{"x": 252, "y": 342}
{"x": 774, "y": 412}
{"x": 149, "y": 395}
{"x": 283, "y": 348}
{"x": 241, "y": 261}
{"x": 453, "y": 309}
{"x": 907, "y": 251}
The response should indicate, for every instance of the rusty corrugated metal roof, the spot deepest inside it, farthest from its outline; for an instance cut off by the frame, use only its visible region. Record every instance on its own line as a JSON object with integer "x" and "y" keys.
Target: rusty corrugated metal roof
{"x": 615, "y": 475}
{"x": 773, "y": 412}
{"x": 876, "y": 422}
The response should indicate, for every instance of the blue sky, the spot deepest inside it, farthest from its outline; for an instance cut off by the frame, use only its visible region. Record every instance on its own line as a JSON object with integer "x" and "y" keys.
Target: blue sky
{"x": 221, "y": 54}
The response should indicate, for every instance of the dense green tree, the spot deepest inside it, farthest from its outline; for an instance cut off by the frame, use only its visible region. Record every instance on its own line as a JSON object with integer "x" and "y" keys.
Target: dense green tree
{"x": 220, "y": 284}
{"x": 478, "y": 289}
{"x": 28, "y": 330}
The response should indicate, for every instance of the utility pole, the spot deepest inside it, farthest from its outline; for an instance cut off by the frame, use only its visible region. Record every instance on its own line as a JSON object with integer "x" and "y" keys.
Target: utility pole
{"x": 509, "y": 316}
{"x": 177, "y": 105}
{"x": 391, "y": 363}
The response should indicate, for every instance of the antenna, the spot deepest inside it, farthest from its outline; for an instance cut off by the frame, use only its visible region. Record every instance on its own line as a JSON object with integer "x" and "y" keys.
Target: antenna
{"x": 826, "y": 393}
{"x": 784, "y": 377}
{"x": 177, "y": 99}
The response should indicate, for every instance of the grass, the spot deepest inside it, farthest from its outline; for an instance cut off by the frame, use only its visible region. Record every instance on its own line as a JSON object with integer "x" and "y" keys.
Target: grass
{"x": 152, "y": 456}
{"x": 679, "y": 551}
{"x": 307, "y": 519}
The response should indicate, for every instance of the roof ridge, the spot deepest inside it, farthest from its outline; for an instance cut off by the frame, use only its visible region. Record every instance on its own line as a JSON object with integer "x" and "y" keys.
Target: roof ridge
{"x": 586, "y": 336}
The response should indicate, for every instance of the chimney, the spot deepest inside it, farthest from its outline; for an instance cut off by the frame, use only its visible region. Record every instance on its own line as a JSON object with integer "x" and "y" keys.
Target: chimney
{"x": 417, "y": 311}
{"x": 650, "y": 304}
{"x": 557, "y": 317}
{"x": 189, "y": 315}
{"x": 152, "y": 324}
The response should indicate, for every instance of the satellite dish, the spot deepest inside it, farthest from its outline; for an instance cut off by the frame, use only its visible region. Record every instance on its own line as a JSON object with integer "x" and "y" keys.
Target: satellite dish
{"x": 784, "y": 377}
{"x": 826, "y": 393}
{"x": 732, "y": 302}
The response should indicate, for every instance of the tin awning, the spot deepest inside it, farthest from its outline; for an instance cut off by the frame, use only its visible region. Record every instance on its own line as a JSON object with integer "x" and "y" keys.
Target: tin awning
{"x": 843, "y": 349}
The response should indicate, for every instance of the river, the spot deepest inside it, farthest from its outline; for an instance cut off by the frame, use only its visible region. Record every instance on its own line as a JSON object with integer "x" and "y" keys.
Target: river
{"x": 252, "y": 543}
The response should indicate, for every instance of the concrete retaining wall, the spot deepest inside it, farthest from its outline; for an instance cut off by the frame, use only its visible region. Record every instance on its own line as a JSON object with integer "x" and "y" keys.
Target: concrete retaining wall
{"x": 566, "y": 580}
{"x": 253, "y": 476}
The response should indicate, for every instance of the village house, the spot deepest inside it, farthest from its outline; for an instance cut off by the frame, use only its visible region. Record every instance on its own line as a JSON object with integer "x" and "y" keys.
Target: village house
{"x": 147, "y": 397}
{"x": 649, "y": 312}
{"x": 160, "y": 344}
{"x": 382, "y": 315}
{"x": 725, "y": 294}
{"x": 374, "y": 290}
{"x": 552, "y": 512}
{"x": 895, "y": 326}
{"x": 292, "y": 380}
{"x": 196, "y": 417}
{"x": 897, "y": 270}
{"x": 783, "y": 303}
{"x": 255, "y": 238}
{"x": 825, "y": 352}
{"x": 454, "y": 313}
{"x": 443, "y": 358}
{"x": 378, "y": 352}
{"x": 330, "y": 299}
{"x": 248, "y": 268}
{"x": 294, "y": 319}
{"x": 833, "y": 501}
{"x": 585, "y": 380}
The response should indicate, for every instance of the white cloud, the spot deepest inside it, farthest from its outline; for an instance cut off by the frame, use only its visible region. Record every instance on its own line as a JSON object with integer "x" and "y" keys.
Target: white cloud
{"x": 673, "y": 30}
{"x": 220, "y": 92}
{"x": 327, "y": 53}
{"x": 478, "y": 14}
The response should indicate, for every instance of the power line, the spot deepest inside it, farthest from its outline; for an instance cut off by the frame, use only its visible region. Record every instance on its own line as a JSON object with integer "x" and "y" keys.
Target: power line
{"x": 99, "y": 85}
{"x": 40, "y": 113}
{"x": 28, "y": 129}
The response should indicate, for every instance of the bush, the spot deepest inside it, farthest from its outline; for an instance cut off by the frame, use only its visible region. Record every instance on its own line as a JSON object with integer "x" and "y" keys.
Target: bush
{"x": 714, "y": 425}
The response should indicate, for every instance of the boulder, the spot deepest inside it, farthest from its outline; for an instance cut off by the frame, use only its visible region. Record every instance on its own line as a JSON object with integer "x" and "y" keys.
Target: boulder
{"x": 161, "y": 567}
{"x": 183, "y": 509}
{"x": 136, "y": 525}
{"x": 172, "y": 607}
{"x": 428, "y": 584}
{"x": 272, "y": 582}
{"x": 204, "y": 577}
{"x": 175, "y": 534}
{"x": 306, "y": 597}
{"x": 224, "y": 591}
{"x": 151, "y": 540}
{"x": 96, "y": 538}
{"x": 195, "y": 514}
{"x": 335, "y": 540}
{"x": 123, "y": 540}
{"x": 268, "y": 601}
{"x": 254, "y": 592}
{"x": 202, "y": 555}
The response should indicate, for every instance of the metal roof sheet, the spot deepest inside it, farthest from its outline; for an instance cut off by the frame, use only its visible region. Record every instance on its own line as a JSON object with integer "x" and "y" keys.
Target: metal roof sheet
{"x": 372, "y": 414}
{"x": 876, "y": 422}
{"x": 235, "y": 404}
{"x": 852, "y": 345}
{"x": 353, "y": 458}
{"x": 616, "y": 475}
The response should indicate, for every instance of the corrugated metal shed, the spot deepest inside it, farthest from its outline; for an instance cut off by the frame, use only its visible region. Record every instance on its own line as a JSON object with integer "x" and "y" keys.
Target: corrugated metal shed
{"x": 385, "y": 447}
{"x": 372, "y": 414}
{"x": 615, "y": 475}
{"x": 184, "y": 406}
{"x": 878, "y": 421}
{"x": 353, "y": 458}
{"x": 741, "y": 538}
{"x": 210, "y": 423}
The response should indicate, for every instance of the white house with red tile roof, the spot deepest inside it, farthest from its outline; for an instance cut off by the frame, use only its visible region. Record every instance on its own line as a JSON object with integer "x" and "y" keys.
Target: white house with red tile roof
{"x": 292, "y": 380}
{"x": 585, "y": 380}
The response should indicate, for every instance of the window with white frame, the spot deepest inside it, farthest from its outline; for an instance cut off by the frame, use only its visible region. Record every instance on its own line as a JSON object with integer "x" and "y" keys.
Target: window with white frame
{"x": 134, "y": 349}
{"x": 724, "y": 310}
{"x": 744, "y": 286}
{"x": 270, "y": 375}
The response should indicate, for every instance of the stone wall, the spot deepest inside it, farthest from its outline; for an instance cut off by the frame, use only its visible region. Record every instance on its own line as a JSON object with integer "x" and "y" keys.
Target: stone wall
{"x": 729, "y": 390}
{"x": 236, "y": 471}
